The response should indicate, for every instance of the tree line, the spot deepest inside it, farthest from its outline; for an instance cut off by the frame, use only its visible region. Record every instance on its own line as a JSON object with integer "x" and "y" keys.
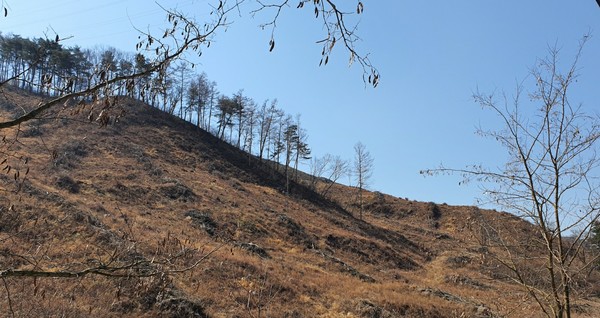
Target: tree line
{"x": 265, "y": 130}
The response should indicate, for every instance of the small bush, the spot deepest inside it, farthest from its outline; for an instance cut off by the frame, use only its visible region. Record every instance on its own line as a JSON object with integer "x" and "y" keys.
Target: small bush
{"x": 435, "y": 214}
{"x": 202, "y": 220}
{"x": 70, "y": 154}
{"x": 178, "y": 191}
{"x": 67, "y": 183}
{"x": 180, "y": 307}
{"x": 458, "y": 261}
{"x": 254, "y": 249}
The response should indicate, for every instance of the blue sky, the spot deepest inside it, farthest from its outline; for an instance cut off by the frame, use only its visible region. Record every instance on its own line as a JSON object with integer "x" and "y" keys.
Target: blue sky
{"x": 432, "y": 56}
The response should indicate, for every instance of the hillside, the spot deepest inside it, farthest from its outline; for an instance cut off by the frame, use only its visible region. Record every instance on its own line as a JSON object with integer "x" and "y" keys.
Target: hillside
{"x": 155, "y": 189}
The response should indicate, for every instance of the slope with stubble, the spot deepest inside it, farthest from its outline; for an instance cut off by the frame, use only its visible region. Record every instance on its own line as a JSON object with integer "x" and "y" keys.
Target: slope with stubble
{"x": 151, "y": 186}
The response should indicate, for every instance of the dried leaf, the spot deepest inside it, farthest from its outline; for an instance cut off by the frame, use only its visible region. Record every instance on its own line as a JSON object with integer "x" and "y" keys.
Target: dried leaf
{"x": 5, "y": 12}
{"x": 272, "y": 45}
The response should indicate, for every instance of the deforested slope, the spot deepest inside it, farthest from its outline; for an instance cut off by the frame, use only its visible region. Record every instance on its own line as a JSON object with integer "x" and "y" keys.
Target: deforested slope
{"x": 210, "y": 231}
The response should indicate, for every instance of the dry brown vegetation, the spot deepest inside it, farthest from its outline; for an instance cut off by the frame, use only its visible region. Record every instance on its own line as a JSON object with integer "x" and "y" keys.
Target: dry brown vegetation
{"x": 153, "y": 185}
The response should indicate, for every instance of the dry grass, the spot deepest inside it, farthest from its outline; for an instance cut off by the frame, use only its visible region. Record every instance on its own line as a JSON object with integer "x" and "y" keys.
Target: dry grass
{"x": 131, "y": 186}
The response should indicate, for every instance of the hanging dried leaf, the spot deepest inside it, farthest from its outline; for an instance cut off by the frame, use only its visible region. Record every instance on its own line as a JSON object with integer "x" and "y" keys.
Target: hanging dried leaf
{"x": 316, "y": 12}
{"x": 271, "y": 45}
{"x": 360, "y": 8}
{"x": 300, "y": 5}
{"x": 5, "y": 12}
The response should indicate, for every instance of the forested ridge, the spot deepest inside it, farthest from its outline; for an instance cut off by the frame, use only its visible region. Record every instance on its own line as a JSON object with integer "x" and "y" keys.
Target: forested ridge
{"x": 48, "y": 68}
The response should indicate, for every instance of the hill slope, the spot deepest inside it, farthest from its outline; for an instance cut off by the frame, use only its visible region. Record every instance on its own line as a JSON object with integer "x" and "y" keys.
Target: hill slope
{"x": 156, "y": 190}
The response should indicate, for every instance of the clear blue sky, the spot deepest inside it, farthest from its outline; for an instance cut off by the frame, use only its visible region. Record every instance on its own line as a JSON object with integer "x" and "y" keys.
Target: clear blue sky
{"x": 432, "y": 55}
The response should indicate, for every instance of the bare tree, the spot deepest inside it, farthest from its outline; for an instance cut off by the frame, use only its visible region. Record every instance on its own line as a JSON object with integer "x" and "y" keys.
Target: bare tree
{"x": 249, "y": 130}
{"x": 241, "y": 102}
{"x": 266, "y": 117}
{"x": 363, "y": 170}
{"x": 199, "y": 92}
{"x": 183, "y": 72}
{"x": 549, "y": 180}
{"x": 329, "y": 169}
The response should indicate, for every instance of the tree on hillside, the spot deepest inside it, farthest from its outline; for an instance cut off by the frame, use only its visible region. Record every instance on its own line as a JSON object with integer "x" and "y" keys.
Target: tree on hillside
{"x": 290, "y": 140}
{"x": 142, "y": 83}
{"x": 213, "y": 94}
{"x": 250, "y": 127}
{"x": 182, "y": 72}
{"x": 302, "y": 151}
{"x": 266, "y": 116}
{"x": 363, "y": 170}
{"x": 550, "y": 179}
{"x": 241, "y": 102}
{"x": 109, "y": 62}
{"x": 198, "y": 96}
{"x": 280, "y": 123}
{"x": 328, "y": 168}
{"x": 226, "y": 109}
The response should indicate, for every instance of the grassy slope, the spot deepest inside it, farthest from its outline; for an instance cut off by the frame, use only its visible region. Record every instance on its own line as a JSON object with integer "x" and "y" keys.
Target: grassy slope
{"x": 130, "y": 187}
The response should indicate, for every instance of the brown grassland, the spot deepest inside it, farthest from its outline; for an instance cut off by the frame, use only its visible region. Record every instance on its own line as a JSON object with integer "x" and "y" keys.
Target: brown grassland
{"x": 152, "y": 185}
